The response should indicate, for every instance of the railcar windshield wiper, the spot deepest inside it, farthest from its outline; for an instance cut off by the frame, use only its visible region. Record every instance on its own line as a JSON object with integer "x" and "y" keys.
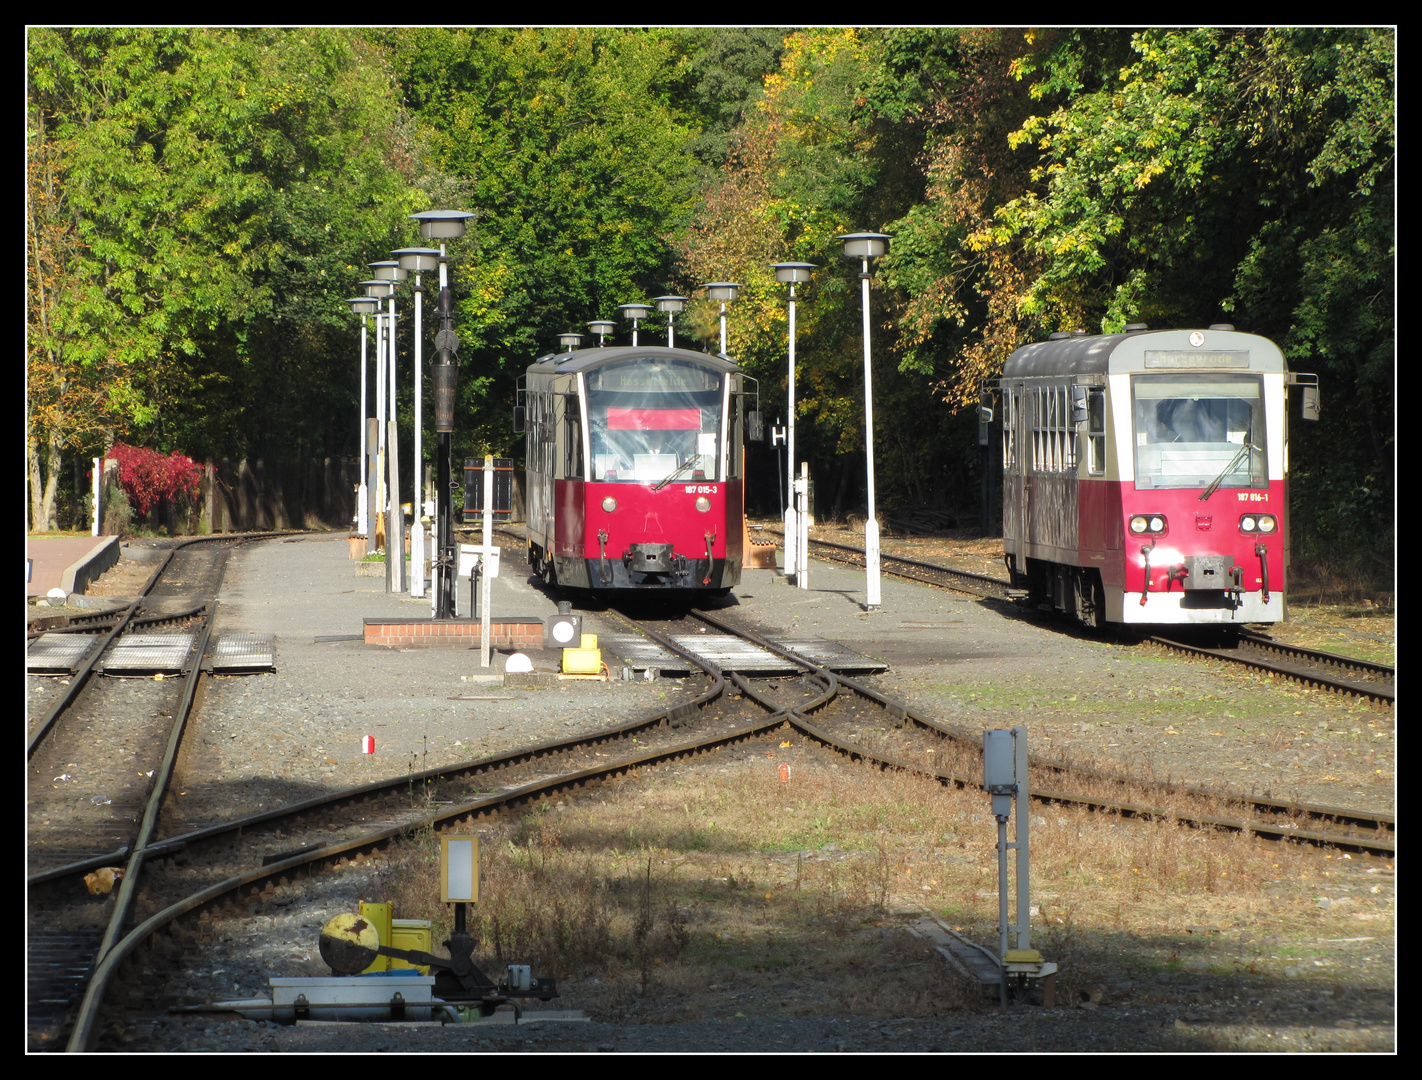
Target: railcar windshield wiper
{"x": 676, "y": 472}
{"x": 1217, "y": 481}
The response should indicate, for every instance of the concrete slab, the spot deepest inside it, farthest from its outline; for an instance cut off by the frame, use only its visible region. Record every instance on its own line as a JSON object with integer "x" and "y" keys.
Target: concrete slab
{"x": 67, "y": 562}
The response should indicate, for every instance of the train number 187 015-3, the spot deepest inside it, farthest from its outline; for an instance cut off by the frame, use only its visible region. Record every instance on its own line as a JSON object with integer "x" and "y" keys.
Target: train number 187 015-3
{"x": 701, "y": 489}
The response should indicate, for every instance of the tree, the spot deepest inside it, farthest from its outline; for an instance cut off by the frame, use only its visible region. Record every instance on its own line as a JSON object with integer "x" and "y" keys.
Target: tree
{"x": 220, "y": 187}
{"x": 575, "y": 154}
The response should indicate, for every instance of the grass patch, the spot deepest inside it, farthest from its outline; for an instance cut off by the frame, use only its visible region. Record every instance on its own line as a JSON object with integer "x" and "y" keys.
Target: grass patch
{"x": 711, "y": 888}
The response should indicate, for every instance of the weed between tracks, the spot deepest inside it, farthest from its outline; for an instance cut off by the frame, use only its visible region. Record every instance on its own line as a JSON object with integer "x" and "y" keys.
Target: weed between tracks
{"x": 713, "y": 888}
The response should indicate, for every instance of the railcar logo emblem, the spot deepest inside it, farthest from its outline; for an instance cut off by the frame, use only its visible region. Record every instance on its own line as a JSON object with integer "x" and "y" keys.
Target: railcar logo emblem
{"x": 1197, "y": 339}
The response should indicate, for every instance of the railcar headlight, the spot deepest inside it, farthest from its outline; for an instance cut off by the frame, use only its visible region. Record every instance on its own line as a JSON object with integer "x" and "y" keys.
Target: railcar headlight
{"x": 1247, "y": 523}
{"x": 1266, "y": 523}
{"x": 1157, "y": 524}
{"x": 1139, "y": 524}
{"x": 703, "y": 504}
{"x": 609, "y": 504}
{"x": 1144, "y": 523}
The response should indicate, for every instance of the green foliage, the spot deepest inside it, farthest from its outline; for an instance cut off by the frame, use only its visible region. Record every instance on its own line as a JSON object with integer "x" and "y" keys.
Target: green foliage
{"x": 202, "y": 201}
{"x": 578, "y": 166}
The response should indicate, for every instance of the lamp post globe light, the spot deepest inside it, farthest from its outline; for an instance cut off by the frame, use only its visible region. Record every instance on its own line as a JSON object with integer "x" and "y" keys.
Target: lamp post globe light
{"x": 602, "y": 328}
{"x": 723, "y": 291}
{"x": 671, "y": 306}
{"x": 864, "y": 247}
{"x": 570, "y": 341}
{"x": 635, "y": 313}
{"x": 796, "y": 522}
{"x": 442, "y": 225}
{"x": 417, "y": 261}
{"x": 362, "y": 306}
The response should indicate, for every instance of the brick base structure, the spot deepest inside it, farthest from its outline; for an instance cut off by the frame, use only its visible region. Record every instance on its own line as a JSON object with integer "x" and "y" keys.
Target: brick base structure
{"x": 505, "y": 632}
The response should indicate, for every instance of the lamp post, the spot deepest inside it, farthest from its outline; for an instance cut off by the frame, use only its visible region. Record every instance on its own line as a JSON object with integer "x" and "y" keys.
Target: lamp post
{"x": 362, "y": 306}
{"x": 392, "y": 272}
{"x": 602, "y": 328}
{"x": 723, "y": 291}
{"x": 378, "y": 289}
{"x": 417, "y": 261}
{"x": 866, "y": 246}
{"x": 635, "y": 313}
{"x": 570, "y": 341}
{"x": 444, "y": 225}
{"x": 796, "y": 522}
{"x": 672, "y": 306}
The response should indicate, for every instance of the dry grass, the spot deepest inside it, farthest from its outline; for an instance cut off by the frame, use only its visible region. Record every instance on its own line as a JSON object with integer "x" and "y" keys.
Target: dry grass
{"x": 713, "y": 888}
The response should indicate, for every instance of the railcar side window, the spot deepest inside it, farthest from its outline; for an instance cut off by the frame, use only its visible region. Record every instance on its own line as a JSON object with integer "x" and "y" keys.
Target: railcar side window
{"x": 1096, "y": 431}
{"x": 1011, "y": 417}
{"x": 1189, "y": 427}
{"x": 647, "y": 418}
{"x": 1053, "y": 435}
{"x": 573, "y": 440}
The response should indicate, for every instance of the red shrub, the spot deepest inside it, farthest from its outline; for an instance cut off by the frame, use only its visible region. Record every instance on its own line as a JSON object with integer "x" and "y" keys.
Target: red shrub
{"x": 147, "y": 477}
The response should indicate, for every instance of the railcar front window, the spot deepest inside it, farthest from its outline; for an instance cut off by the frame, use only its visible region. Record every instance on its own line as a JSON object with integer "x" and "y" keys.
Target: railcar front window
{"x": 1190, "y": 427}
{"x": 648, "y": 418}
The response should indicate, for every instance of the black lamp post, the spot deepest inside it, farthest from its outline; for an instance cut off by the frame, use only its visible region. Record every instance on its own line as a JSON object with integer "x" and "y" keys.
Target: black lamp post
{"x": 444, "y": 225}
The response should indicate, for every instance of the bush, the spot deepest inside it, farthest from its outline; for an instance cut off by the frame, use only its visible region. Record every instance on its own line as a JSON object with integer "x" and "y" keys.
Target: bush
{"x": 148, "y": 477}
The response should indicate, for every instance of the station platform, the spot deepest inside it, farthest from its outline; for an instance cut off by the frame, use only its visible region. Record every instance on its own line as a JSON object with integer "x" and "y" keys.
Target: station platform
{"x": 67, "y": 562}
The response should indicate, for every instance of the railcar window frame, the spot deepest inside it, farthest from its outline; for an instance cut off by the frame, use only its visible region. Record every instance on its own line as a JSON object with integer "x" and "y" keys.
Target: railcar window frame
{"x": 1148, "y": 433}
{"x": 1054, "y": 437}
{"x": 1096, "y": 431}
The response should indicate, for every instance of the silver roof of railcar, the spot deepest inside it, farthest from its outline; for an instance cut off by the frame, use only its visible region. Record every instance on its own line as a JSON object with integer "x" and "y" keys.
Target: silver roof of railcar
{"x": 587, "y": 359}
{"x": 1102, "y": 353}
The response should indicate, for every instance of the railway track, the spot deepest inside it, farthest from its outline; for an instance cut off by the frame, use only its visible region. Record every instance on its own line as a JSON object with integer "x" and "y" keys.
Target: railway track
{"x": 127, "y": 734}
{"x": 253, "y": 858}
{"x": 1307, "y": 667}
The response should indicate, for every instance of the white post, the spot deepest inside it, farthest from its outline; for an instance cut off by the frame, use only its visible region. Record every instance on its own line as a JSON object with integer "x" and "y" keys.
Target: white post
{"x": 417, "y": 495}
{"x": 802, "y": 508}
{"x": 871, "y": 527}
{"x": 362, "y": 524}
{"x": 379, "y": 423}
{"x": 96, "y": 488}
{"x": 792, "y": 512}
{"x": 484, "y": 582}
{"x": 723, "y": 328}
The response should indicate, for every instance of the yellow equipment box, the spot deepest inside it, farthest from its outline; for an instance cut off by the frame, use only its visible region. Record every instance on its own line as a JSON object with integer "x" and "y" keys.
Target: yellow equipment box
{"x": 413, "y": 934}
{"x": 582, "y": 661}
{"x": 398, "y": 934}
{"x": 379, "y": 916}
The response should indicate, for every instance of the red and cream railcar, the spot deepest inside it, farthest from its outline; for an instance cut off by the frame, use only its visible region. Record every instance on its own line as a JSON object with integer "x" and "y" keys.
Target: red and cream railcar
{"x": 1145, "y": 475}
{"x": 634, "y": 469}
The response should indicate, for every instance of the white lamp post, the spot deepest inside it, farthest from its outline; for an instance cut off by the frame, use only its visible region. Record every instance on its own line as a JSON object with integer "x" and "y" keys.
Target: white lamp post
{"x": 602, "y": 328}
{"x": 570, "y": 341}
{"x": 866, "y": 246}
{"x": 796, "y": 523}
{"x": 362, "y": 306}
{"x": 722, "y": 291}
{"x": 635, "y": 313}
{"x": 378, "y": 289}
{"x": 418, "y": 261}
{"x": 394, "y": 273}
{"x": 444, "y": 225}
{"x": 672, "y": 306}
